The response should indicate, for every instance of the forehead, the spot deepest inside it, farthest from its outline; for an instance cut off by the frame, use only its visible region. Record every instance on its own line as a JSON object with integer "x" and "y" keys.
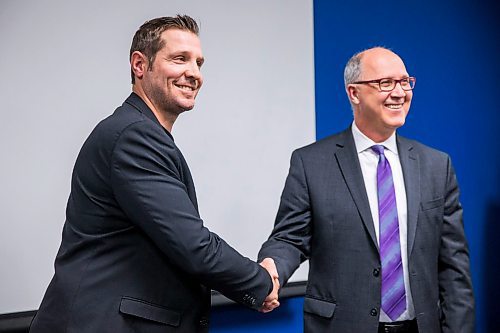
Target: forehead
{"x": 177, "y": 40}
{"x": 380, "y": 63}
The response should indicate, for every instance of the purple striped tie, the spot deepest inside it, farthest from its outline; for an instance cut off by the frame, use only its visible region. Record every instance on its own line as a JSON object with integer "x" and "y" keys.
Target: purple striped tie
{"x": 393, "y": 288}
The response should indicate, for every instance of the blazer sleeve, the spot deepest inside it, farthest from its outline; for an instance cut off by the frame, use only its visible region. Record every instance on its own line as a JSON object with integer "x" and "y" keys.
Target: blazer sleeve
{"x": 289, "y": 242}
{"x": 455, "y": 286}
{"x": 146, "y": 181}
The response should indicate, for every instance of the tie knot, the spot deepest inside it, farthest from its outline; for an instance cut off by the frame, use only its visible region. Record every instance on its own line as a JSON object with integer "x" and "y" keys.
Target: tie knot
{"x": 379, "y": 149}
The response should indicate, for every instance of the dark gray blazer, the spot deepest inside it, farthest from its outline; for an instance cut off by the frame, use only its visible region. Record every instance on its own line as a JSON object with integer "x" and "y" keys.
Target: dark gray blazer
{"x": 324, "y": 216}
{"x": 135, "y": 256}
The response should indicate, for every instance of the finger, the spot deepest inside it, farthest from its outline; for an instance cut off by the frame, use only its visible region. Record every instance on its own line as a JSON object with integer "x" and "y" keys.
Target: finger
{"x": 268, "y": 307}
{"x": 275, "y": 303}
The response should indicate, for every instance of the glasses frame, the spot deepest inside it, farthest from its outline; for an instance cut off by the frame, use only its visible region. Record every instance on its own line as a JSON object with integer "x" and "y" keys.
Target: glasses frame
{"x": 411, "y": 79}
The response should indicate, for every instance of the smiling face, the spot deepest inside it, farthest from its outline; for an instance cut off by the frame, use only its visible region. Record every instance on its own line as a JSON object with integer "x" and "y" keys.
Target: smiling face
{"x": 170, "y": 85}
{"x": 377, "y": 113}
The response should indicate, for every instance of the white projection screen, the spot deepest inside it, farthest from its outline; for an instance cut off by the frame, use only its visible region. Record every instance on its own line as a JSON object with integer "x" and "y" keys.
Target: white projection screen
{"x": 64, "y": 67}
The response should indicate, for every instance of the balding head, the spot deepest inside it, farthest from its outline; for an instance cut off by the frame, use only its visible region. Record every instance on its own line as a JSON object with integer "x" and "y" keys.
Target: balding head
{"x": 377, "y": 111}
{"x": 354, "y": 69}
{"x": 380, "y": 62}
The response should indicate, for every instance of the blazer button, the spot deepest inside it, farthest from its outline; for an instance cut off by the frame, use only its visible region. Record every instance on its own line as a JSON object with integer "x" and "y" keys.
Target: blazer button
{"x": 376, "y": 272}
{"x": 373, "y": 312}
{"x": 203, "y": 321}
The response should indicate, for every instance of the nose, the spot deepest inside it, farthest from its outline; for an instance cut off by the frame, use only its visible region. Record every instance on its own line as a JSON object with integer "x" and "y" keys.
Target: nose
{"x": 193, "y": 71}
{"x": 398, "y": 91}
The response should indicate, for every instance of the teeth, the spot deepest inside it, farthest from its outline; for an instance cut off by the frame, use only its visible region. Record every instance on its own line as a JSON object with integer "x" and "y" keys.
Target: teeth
{"x": 394, "y": 106}
{"x": 185, "y": 87}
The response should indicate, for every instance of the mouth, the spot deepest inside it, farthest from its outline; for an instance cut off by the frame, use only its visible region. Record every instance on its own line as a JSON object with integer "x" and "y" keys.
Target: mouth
{"x": 394, "y": 106}
{"x": 185, "y": 87}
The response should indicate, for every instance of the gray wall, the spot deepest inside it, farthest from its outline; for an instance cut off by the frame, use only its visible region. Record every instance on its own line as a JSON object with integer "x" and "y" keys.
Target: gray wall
{"x": 64, "y": 67}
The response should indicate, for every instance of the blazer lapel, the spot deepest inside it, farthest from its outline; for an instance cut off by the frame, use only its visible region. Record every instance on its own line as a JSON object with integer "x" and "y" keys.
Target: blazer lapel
{"x": 411, "y": 174}
{"x": 348, "y": 161}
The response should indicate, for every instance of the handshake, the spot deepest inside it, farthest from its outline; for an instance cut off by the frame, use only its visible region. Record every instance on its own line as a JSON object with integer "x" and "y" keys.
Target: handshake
{"x": 271, "y": 302}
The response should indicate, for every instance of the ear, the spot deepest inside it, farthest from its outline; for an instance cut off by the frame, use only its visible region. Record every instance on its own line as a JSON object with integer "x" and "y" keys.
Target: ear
{"x": 138, "y": 64}
{"x": 353, "y": 93}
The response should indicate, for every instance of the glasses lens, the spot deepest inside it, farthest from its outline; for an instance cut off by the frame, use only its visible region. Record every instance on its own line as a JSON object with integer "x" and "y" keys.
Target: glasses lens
{"x": 412, "y": 82}
{"x": 408, "y": 83}
{"x": 386, "y": 84}
{"x": 405, "y": 84}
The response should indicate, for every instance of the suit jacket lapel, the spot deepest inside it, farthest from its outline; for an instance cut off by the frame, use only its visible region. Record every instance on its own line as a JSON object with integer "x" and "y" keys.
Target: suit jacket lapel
{"x": 348, "y": 161}
{"x": 411, "y": 174}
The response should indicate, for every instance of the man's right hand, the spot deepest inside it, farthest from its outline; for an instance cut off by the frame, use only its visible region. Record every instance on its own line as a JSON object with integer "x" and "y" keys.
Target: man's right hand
{"x": 271, "y": 302}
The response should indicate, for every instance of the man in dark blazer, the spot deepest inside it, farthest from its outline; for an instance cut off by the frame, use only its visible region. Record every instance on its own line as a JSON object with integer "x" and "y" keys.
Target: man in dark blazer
{"x": 329, "y": 213}
{"x": 135, "y": 256}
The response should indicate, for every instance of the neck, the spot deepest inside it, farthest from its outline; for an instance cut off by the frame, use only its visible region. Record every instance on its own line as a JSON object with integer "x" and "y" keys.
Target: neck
{"x": 165, "y": 119}
{"x": 374, "y": 135}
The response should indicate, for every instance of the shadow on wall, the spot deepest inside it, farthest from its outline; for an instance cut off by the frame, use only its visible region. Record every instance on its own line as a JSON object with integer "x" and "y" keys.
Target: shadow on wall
{"x": 492, "y": 267}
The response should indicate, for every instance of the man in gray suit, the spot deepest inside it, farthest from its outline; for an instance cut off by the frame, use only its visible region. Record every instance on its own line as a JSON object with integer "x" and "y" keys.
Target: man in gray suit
{"x": 378, "y": 216}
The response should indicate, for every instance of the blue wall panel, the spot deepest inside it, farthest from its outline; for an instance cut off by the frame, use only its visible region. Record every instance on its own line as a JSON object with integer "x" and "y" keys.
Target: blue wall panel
{"x": 237, "y": 319}
{"x": 452, "y": 47}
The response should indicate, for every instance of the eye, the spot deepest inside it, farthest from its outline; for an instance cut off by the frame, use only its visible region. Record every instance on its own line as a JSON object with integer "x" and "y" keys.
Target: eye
{"x": 385, "y": 83}
{"x": 180, "y": 58}
{"x": 200, "y": 62}
{"x": 405, "y": 82}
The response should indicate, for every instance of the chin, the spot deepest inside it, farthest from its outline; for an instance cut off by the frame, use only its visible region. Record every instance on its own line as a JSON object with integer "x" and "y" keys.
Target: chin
{"x": 394, "y": 123}
{"x": 182, "y": 109}
{"x": 187, "y": 107}
{"x": 398, "y": 124}
{"x": 398, "y": 119}
{"x": 188, "y": 102}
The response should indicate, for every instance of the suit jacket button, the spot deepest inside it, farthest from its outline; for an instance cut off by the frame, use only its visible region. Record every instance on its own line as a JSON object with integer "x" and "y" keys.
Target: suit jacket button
{"x": 376, "y": 272}
{"x": 203, "y": 321}
{"x": 373, "y": 312}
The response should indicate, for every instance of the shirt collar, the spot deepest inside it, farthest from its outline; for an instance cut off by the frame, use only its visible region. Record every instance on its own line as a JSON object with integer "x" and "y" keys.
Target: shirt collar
{"x": 363, "y": 142}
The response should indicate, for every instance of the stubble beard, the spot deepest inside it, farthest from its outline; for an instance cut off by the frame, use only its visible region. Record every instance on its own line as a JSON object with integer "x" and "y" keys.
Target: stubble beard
{"x": 167, "y": 103}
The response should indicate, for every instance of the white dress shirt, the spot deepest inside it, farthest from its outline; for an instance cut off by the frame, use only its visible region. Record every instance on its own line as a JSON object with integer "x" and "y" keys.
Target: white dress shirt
{"x": 368, "y": 160}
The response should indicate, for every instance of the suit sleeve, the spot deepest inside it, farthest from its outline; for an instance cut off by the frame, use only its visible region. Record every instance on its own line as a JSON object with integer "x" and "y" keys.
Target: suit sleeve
{"x": 455, "y": 286}
{"x": 289, "y": 243}
{"x": 147, "y": 184}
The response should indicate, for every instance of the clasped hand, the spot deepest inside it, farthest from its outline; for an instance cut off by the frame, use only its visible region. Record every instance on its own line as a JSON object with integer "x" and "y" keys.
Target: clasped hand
{"x": 271, "y": 302}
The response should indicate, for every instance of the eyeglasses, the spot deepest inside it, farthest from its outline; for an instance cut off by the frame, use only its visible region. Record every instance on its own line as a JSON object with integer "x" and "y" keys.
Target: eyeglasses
{"x": 388, "y": 84}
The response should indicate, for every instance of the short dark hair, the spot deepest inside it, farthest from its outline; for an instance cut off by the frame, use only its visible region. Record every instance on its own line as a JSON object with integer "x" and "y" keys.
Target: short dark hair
{"x": 147, "y": 39}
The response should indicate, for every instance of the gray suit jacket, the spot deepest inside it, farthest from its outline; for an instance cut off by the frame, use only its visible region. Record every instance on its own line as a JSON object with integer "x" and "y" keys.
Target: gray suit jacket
{"x": 135, "y": 256}
{"x": 324, "y": 216}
